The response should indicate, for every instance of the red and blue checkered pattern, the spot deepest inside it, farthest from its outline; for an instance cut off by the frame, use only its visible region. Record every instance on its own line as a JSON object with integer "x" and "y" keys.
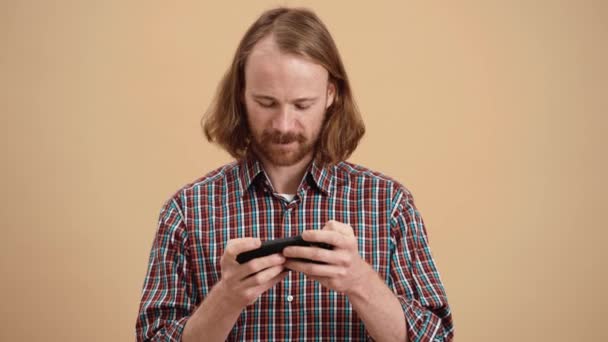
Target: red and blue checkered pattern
{"x": 237, "y": 200}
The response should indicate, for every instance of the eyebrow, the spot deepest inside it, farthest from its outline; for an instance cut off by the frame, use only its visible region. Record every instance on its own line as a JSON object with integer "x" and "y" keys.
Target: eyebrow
{"x": 266, "y": 97}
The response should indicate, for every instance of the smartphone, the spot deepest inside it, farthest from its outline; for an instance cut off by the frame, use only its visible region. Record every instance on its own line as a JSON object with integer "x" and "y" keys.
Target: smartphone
{"x": 276, "y": 246}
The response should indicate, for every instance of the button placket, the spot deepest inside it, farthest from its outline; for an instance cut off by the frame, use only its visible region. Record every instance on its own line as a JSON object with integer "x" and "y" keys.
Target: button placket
{"x": 286, "y": 232}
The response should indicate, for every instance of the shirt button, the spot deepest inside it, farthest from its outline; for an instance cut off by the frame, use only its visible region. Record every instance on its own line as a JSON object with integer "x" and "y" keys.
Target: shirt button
{"x": 289, "y": 298}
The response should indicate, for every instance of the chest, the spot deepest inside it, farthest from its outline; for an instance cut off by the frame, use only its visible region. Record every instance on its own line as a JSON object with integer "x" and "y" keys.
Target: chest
{"x": 266, "y": 216}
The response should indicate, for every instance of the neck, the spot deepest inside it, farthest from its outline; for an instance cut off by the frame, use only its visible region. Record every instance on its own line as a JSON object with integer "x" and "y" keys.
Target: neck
{"x": 286, "y": 179}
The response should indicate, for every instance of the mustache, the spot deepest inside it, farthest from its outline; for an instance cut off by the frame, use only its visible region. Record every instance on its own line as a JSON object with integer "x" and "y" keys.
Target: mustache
{"x": 276, "y": 137}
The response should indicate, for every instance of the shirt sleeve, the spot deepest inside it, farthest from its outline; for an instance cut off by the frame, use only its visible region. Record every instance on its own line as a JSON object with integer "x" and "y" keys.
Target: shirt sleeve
{"x": 414, "y": 277}
{"x": 166, "y": 300}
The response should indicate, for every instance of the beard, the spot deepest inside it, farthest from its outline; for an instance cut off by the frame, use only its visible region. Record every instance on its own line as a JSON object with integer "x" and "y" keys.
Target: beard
{"x": 282, "y": 149}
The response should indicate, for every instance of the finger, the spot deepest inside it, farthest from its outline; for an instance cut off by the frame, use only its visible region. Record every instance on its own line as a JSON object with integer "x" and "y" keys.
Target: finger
{"x": 315, "y": 270}
{"x": 235, "y": 247}
{"x": 274, "y": 281}
{"x": 327, "y": 236}
{"x": 312, "y": 253}
{"x": 258, "y": 264}
{"x": 263, "y": 277}
{"x": 339, "y": 227}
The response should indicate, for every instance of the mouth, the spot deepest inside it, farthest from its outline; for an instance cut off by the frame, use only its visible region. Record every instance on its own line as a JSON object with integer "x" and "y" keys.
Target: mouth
{"x": 283, "y": 145}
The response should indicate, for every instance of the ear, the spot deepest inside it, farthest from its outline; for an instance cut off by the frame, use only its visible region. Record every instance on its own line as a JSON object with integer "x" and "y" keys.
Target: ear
{"x": 331, "y": 94}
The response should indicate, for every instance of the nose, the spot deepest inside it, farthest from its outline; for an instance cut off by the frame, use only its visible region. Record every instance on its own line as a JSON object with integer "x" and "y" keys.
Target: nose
{"x": 283, "y": 120}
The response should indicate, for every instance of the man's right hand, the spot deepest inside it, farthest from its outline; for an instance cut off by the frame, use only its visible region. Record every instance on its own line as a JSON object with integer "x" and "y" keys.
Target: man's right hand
{"x": 239, "y": 286}
{"x": 243, "y": 283}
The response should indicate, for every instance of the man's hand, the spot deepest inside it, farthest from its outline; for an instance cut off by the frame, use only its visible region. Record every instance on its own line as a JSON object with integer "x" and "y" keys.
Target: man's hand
{"x": 344, "y": 269}
{"x": 239, "y": 286}
{"x": 242, "y": 284}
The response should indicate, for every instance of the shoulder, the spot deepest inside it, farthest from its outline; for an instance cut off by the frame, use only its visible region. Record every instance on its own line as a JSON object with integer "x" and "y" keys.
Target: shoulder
{"x": 374, "y": 184}
{"x": 221, "y": 178}
{"x": 357, "y": 175}
{"x": 400, "y": 198}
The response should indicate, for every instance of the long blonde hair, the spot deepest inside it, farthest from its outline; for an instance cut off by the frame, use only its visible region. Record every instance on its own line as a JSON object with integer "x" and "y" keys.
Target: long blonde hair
{"x": 300, "y": 32}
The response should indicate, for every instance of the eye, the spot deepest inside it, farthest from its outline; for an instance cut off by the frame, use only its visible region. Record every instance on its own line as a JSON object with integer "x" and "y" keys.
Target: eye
{"x": 302, "y": 107}
{"x": 266, "y": 105}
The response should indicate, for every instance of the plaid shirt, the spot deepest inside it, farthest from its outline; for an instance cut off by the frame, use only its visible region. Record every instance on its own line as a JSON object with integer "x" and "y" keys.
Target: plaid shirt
{"x": 238, "y": 200}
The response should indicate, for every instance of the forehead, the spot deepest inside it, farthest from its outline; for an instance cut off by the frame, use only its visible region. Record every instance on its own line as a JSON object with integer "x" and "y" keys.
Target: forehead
{"x": 272, "y": 71}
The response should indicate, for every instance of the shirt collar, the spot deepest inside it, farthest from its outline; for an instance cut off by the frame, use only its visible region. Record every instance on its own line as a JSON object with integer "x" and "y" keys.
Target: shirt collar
{"x": 250, "y": 168}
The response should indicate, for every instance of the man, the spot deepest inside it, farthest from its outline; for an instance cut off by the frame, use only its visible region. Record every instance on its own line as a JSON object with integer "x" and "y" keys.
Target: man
{"x": 285, "y": 111}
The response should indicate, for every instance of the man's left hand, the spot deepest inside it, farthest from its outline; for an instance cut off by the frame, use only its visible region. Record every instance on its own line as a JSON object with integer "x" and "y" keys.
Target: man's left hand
{"x": 344, "y": 270}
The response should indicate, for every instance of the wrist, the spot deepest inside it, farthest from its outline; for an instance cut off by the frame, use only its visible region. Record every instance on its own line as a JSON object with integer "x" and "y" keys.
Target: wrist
{"x": 362, "y": 289}
{"x": 226, "y": 298}
{"x": 214, "y": 317}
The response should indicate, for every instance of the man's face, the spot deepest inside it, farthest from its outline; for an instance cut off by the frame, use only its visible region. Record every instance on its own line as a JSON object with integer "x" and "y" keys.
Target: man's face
{"x": 286, "y": 97}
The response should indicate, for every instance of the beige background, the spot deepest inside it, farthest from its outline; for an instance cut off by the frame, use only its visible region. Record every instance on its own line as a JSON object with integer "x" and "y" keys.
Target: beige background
{"x": 493, "y": 113}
